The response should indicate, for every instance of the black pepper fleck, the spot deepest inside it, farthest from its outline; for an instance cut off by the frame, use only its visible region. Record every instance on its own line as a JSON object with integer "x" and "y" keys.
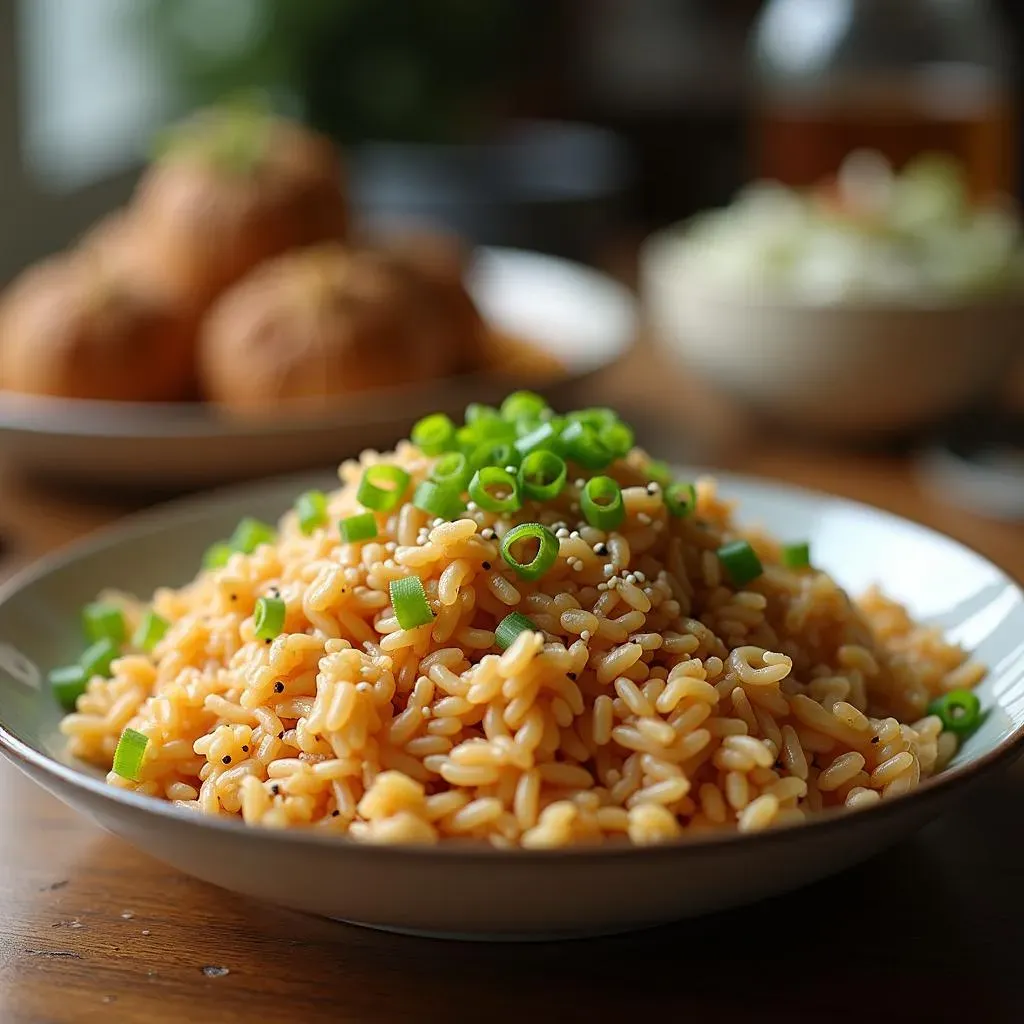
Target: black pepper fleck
{"x": 280, "y": 735}
{"x": 245, "y": 748}
{"x": 571, "y": 675}
{"x": 226, "y": 759}
{"x": 601, "y": 549}
{"x": 874, "y": 739}
{"x": 334, "y": 814}
{"x": 279, "y": 687}
{"x": 234, "y": 597}
{"x": 487, "y": 565}
{"x": 275, "y": 789}
{"x": 267, "y": 641}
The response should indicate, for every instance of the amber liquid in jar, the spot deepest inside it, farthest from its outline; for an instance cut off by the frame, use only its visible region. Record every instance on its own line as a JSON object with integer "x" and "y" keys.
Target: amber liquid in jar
{"x": 800, "y": 140}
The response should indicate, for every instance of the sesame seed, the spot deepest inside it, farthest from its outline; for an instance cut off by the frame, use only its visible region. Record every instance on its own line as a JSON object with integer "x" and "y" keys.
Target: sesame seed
{"x": 510, "y": 469}
{"x": 653, "y": 488}
{"x": 640, "y": 576}
{"x": 601, "y": 549}
{"x": 426, "y": 712}
{"x": 562, "y": 534}
{"x": 577, "y": 566}
{"x": 609, "y": 568}
{"x": 644, "y": 518}
{"x": 602, "y": 586}
{"x": 487, "y": 534}
{"x": 575, "y": 535}
{"x": 585, "y": 634}
{"x": 471, "y": 506}
{"x": 580, "y": 482}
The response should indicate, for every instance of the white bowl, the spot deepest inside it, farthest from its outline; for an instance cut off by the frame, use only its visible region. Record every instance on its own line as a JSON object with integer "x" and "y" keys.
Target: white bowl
{"x": 582, "y": 317}
{"x": 466, "y": 890}
{"x": 866, "y": 367}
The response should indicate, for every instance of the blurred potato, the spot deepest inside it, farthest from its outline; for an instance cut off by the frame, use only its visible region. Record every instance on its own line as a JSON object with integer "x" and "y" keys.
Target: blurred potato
{"x": 330, "y": 321}
{"x": 231, "y": 190}
{"x": 74, "y": 327}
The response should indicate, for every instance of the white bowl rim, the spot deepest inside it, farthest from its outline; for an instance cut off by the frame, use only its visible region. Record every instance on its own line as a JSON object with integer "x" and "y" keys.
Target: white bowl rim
{"x": 670, "y": 244}
{"x": 150, "y": 521}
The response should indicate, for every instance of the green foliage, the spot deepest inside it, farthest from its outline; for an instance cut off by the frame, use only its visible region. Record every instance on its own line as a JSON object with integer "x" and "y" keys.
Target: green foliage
{"x": 413, "y": 70}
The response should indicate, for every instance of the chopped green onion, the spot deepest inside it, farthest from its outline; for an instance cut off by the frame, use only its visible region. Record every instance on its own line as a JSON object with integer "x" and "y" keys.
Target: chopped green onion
{"x": 796, "y": 556}
{"x": 68, "y": 684}
{"x": 409, "y": 601}
{"x": 544, "y": 436}
{"x": 581, "y": 444}
{"x": 250, "y": 534}
{"x": 547, "y": 549}
{"x": 103, "y": 621}
{"x": 358, "y": 528}
{"x": 542, "y": 475}
{"x": 268, "y": 617}
{"x": 659, "y": 473}
{"x": 494, "y": 453}
{"x": 960, "y": 711}
{"x": 97, "y": 658}
{"x": 150, "y": 632}
{"x": 510, "y": 627}
{"x": 486, "y": 424}
{"x": 477, "y": 412}
{"x": 596, "y": 418}
{"x": 311, "y": 511}
{"x": 680, "y": 499}
{"x": 524, "y": 405}
{"x": 217, "y": 555}
{"x": 741, "y": 562}
{"x": 452, "y": 471}
{"x": 489, "y": 478}
{"x": 382, "y": 487}
{"x": 131, "y": 748}
{"x": 601, "y": 503}
{"x": 434, "y": 434}
{"x": 617, "y": 437}
{"x": 438, "y": 500}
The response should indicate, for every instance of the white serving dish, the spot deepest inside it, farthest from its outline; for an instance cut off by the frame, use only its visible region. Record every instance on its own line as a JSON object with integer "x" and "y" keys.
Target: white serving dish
{"x": 469, "y": 891}
{"x": 579, "y": 315}
{"x": 857, "y": 368}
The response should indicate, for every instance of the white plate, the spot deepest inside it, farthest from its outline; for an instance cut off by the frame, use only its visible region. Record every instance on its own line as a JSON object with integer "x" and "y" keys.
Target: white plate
{"x": 579, "y": 315}
{"x": 481, "y": 892}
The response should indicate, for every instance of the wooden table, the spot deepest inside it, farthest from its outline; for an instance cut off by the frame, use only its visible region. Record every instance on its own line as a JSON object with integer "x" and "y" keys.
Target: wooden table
{"x": 91, "y": 930}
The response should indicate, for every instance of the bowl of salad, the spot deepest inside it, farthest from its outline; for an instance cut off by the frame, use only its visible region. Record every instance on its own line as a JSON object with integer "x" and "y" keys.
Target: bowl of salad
{"x": 876, "y": 303}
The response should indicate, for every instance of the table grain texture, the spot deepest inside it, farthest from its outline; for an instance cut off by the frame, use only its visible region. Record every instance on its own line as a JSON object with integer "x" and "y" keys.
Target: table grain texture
{"x": 91, "y": 930}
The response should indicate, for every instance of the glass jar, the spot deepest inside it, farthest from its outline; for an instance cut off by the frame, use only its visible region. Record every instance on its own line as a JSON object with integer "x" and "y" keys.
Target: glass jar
{"x": 900, "y": 78}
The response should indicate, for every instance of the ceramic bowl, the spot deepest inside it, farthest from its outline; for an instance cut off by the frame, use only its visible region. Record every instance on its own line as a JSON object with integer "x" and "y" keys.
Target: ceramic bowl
{"x": 469, "y": 891}
{"x": 852, "y": 369}
{"x": 582, "y": 317}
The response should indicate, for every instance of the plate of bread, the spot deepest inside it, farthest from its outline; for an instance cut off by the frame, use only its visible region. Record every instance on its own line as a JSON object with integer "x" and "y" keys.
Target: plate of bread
{"x": 232, "y": 321}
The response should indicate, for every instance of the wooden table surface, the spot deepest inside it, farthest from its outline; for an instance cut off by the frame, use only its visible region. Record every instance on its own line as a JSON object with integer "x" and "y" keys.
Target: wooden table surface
{"x": 91, "y": 930}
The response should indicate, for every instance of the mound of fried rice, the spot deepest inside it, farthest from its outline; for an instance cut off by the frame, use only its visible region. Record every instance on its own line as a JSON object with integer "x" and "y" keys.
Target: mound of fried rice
{"x": 654, "y": 700}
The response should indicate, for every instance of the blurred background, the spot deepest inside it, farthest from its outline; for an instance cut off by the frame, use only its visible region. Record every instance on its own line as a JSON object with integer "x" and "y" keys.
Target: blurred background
{"x": 87, "y": 82}
{"x": 579, "y": 128}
